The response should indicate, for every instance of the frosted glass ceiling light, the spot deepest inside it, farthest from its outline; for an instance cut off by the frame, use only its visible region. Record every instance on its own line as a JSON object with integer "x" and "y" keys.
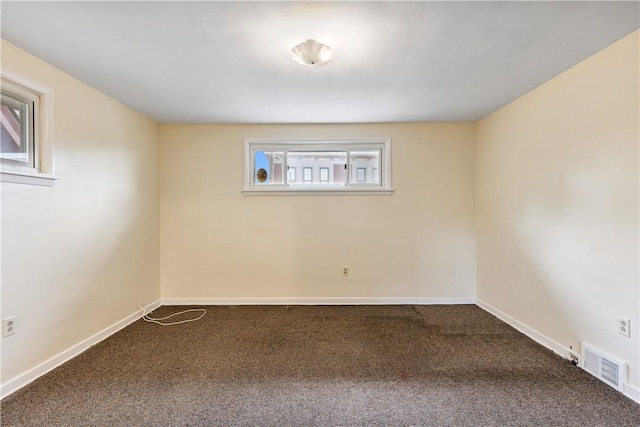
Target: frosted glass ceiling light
{"x": 312, "y": 53}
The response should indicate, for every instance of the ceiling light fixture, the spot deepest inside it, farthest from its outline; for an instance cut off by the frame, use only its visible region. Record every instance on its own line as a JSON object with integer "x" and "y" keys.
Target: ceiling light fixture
{"x": 311, "y": 53}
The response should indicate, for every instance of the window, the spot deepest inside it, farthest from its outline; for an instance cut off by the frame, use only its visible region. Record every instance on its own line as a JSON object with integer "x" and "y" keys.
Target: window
{"x": 353, "y": 165}
{"x": 291, "y": 175}
{"x": 307, "y": 175}
{"x": 324, "y": 175}
{"x": 18, "y": 128}
{"x": 268, "y": 167}
{"x": 26, "y": 125}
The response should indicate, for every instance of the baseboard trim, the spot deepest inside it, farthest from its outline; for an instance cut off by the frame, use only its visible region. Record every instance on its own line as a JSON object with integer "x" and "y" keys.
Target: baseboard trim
{"x": 317, "y": 301}
{"x": 630, "y": 391}
{"x": 530, "y": 332}
{"x": 22, "y": 380}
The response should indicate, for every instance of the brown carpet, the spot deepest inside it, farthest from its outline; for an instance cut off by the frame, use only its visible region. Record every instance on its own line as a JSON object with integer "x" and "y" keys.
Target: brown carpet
{"x": 320, "y": 366}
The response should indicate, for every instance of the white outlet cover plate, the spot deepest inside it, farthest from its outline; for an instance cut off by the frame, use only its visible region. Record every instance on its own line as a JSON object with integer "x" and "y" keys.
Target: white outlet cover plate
{"x": 624, "y": 326}
{"x": 8, "y": 326}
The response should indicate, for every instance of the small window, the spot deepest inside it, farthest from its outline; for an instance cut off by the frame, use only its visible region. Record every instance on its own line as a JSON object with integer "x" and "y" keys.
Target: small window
{"x": 291, "y": 175}
{"x": 26, "y": 126}
{"x": 18, "y": 129}
{"x": 307, "y": 175}
{"x": 324, "y": 175}
{"x": 361, "y": 165}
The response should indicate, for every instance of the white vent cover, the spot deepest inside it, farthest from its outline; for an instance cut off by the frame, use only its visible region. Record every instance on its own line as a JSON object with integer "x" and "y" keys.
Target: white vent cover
{"x": 604, "y": 367}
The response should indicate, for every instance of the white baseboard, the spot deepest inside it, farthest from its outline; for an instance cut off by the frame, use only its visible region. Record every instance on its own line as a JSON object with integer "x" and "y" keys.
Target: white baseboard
{"x": 530, "y": 332}
{"x": 630, "y": 391}
{"x": 317, "y": 301}
{"x": 34, "y": 373}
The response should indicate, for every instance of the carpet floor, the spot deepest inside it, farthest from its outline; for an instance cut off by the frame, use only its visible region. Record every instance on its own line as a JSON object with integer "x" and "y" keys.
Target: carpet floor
{"x": 320, "y": 366}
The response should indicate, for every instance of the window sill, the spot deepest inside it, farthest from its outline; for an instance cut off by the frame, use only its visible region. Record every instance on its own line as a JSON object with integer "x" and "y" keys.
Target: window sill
{"x": 29, "y": 178}
{"x": 318, "y": 191}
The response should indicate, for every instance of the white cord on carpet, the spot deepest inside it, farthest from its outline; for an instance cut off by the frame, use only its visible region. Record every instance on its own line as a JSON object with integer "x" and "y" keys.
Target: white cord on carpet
{"x": 158, "y": 320}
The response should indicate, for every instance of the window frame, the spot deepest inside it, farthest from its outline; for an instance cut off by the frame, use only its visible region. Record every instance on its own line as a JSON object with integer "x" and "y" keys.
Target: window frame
{"x": 42, "y": 171}
{"x": 29, "y": 135}
{"x": 383, "y": 144}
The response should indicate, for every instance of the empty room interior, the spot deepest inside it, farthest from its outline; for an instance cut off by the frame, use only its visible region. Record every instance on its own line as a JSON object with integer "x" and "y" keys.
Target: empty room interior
{"x": 320, "y": 213}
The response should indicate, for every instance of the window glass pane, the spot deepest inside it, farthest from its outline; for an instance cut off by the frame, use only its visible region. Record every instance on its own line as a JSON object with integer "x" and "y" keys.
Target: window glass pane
{"x": 17, "y": 129}
{"x": 307, "y": 175}
{"x": 365, "y": 166}
{"x": 324, "y": 175}
{"x": 319, "y": 167}
{"x": 291, "y": 175}
{"x": 268, "y": 167}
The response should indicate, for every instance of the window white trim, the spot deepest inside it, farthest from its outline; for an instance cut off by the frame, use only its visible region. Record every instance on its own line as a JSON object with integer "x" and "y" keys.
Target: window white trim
{"x": 383, "y": 187}
{"x": 43, "y": 173}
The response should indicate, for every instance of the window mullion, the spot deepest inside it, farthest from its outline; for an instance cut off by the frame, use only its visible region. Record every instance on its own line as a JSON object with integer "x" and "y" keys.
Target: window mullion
{"x": 347, "y": 169}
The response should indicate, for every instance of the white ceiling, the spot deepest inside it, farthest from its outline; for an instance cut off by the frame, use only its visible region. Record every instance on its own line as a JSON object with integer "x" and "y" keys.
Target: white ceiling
{"x": 228, "y": 62}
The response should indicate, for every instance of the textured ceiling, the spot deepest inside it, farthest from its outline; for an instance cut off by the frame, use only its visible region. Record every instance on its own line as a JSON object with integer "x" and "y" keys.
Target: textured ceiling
{"x": 228, "y": 62}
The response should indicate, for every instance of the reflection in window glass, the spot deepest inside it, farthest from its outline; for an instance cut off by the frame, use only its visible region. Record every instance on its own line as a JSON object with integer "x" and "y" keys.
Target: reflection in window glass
{"x": 269, "y": 167}
{"x": 307, "y": 175}
{"x": 365, "y": 166}
{"x": 291, "y": 174}
{"x": 17, "y": 130}
{"x": 330, "y": 166}
{"x": 324, "y": 175}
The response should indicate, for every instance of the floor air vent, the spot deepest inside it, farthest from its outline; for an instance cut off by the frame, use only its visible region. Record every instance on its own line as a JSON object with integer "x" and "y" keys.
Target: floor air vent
{"x": 603, "y": 366}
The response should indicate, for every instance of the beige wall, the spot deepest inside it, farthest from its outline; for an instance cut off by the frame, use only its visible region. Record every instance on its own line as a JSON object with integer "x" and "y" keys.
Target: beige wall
{"x": 79, "y": 256}
{"x": 557, "y": 205}
{"x": 219, "y": 243}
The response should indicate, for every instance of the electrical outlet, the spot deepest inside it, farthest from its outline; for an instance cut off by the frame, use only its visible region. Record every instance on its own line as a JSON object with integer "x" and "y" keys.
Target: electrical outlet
{"x": 345, "y": 271}
{"x": 9, "y": 326}
{"x": 624, "y": 328}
